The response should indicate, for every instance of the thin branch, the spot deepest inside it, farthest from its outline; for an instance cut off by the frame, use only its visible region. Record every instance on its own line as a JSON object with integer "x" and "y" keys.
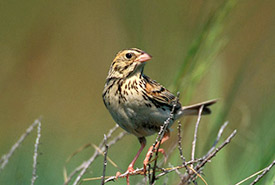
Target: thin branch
{"x": 159, "y": 138}
{"x": 187, "y": 176}
{"x": 179, "y": 143}
{"x": 96, "y": 153}
{"x": 198, "y": 176}
{"x": 218, "y": 138}
{"x": 211, "y": 155}
{"x": 111, "y": 131}
{"x": 117, "y": 138}
{"x": 5, "y": 158}
{"x": 139, "y": 171}
{"x": 195, "y": 135}
{"x": 180, "y": 150}
{"x": 35, "y": 153}
{"x": 264, "y": 172}
{"x": 247, "y": 178}
{"x": 108, "y": 158}
{"x": 166, "y": 171}
{"x": 191, "y": 173}
{"x": 86, "y": 165}
{"x": 176, "y": 170}
{"x": 81, "y": 169}
{"x": 105, "y": 159}
{"x": 136, "y": 172}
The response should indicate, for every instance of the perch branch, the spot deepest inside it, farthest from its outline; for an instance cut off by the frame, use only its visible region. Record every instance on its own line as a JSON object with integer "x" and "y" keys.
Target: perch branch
{"x": 159, "y": 138}
{"x": 191, "y": 173}
{"x": 140, "y": 171}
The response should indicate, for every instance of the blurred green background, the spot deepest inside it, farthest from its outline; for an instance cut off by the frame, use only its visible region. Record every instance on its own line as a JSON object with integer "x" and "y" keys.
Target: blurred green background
{"x": 55, "y": 56}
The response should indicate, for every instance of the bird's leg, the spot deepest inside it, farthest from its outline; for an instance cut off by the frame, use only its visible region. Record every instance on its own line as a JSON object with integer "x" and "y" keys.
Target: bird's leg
{"x": 161, "y": 150}
{"x": 130, "y": 169}
{"x": 142, "y": 141}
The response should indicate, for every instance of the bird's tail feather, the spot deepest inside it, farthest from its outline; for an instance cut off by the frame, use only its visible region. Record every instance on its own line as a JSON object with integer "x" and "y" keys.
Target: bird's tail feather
{"x": 194, "y": 109}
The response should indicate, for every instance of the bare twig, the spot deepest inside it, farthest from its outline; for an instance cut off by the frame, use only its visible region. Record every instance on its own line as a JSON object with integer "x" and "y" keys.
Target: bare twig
{"x": 180, "y": 150}
{"x": 251, "y": 176}
{"x": 84, "y": 168}
{"x": 218, "y": 138}
{"x": 81, "y": 169}
{"x": 166, "y": 171}
{"x": 108, "y": 158}
{"x": 196, "y": 135}
{"x": 179, "y": 142}
{"x": 136, "y": 172}
{"x": 188, "y": 176}
{"x": 117, "y": 138}
{"x": 35, "y": 153}
{"x": 264, "y": 172}
{"x": 105, "y": 159}
{"x": 159, "y": 138}
{"x": 96, "y": 153}
{"x": 211, "y": 155}
{"x": 191, "y": 173}
{"x": 5, "y": 158}
{"x": 176, "y": 170}
{"x": 139, "y": 171}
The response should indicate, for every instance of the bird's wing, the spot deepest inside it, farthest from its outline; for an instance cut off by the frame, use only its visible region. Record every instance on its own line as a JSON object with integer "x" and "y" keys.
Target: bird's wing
{"x": 158, "y": 94}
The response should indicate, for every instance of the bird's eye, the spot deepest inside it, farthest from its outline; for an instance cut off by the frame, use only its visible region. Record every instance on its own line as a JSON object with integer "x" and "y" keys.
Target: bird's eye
{"x": 128, "y": 55}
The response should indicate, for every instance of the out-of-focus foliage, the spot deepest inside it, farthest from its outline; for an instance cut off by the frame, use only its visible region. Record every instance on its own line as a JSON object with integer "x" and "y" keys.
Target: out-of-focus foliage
{"x": 55, "y": 56}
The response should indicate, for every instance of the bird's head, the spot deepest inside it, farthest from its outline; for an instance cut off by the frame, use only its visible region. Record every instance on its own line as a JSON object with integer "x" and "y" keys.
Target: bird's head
{"x": 128, "y": 62}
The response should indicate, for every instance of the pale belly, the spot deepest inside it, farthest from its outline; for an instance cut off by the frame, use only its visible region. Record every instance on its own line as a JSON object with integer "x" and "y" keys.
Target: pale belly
{"x": 135, "y": 114}
{"x": 138, "y": 119}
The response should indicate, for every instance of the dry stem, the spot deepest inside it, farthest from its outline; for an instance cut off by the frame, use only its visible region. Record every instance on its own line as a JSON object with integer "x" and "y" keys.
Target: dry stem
{"x": 264, "y": 172}
{"x": 105, "y": 159}
{"x": 5, "y": 158}
{"x": 86, "y": 164}
{"x": 196, "y": 135}
{"x": 35, "y": 153}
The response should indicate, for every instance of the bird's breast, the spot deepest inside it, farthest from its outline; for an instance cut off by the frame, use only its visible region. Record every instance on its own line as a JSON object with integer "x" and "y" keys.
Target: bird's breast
{"x": 130, "y": 109}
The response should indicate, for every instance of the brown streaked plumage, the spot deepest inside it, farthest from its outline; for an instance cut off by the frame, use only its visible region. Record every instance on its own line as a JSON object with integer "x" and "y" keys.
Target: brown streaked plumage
{"x": 137, "y": 103}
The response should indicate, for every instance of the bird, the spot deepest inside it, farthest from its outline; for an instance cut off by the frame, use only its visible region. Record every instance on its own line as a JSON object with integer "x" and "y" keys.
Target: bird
{"x": 139, "y": 104}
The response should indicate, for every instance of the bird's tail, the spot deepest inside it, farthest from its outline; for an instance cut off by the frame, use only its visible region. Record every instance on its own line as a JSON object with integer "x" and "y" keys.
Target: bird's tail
{"x": 194, "y": 109}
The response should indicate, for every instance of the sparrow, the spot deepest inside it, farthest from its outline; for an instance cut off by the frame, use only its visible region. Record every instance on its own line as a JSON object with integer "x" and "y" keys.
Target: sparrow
{"x": 139, "y": 104}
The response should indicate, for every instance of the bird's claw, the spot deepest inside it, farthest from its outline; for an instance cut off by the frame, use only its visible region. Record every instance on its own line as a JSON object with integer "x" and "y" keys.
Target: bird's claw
{"x": 148, "y": 156}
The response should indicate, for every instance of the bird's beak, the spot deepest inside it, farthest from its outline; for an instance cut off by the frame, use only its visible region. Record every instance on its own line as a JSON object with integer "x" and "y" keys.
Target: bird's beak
{"x": 143, "y": 57}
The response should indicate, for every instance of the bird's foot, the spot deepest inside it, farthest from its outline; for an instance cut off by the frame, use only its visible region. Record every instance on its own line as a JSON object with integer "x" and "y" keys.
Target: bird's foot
{"x": 128, "y": 172}
{"x": 117, "y": 174}
{"x": 148, "y": 156}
